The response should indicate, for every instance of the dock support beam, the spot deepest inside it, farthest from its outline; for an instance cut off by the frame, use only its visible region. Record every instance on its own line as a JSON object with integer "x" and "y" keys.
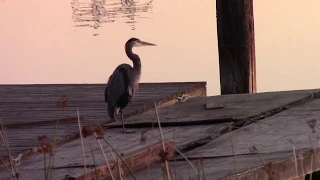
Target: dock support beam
{"x": 236, "y": 44}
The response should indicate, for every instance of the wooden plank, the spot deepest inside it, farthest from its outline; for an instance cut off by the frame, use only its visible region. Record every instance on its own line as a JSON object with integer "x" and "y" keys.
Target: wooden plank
{"x": 270, "y": 135}
{"x": 36, "y": 106}
{"x": 135, "y": 160}
{"x": 25, "y": 140}
{"x": 37, "y": 123}
{"x": 68, "y": 156}
{"x": 235, "y": 107}
{"x": 284, "y": 168}
{"x": 280, "y": 165}
{"x": 214, "y": 105}
{"x": 214, "y": 168}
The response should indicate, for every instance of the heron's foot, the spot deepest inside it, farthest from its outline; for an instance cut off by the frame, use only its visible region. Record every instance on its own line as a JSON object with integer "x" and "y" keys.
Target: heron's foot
{"x": 128, "y": 131}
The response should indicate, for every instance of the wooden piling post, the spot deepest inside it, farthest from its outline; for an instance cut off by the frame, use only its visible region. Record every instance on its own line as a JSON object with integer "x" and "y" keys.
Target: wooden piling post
{"x": 236, "y": 44}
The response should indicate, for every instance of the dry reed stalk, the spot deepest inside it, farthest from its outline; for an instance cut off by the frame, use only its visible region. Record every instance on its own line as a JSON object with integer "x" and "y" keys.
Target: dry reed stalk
{"x": 83, "y": 155}
{"x": 53, "y": 147}
{"x": 233, "y": 154}
{"x": 120, "y": 170}
{"x": 105, "y": 157}
{"x": 310, "y": 177}
{"x": 6, "y": 167}
{"x": 319, "y": 146}
{"x": 45, "y": 165}
{"x": 295, "y": 158}
{"x": 105, "y": 140}
{"x": 163, "y": 146}
{"x": 259, "y": 154}
{"x": 202, "y": 168}
{"x": 11, "y": 159}
{"x": 199, "y": 175}
{"x": 311, "y": 171}
{"x": 149, "y": 155}
{"x": 94, "y": 162}
{"x": 4, "y": 140}
{"x": 4, "y": 137}
{"x": 184, "y": 158}
{"x": 110, "y": 150}
{"x": 301, "y": 165}
{"x": 114, "y": 158}
{"x": 174, "y": 162}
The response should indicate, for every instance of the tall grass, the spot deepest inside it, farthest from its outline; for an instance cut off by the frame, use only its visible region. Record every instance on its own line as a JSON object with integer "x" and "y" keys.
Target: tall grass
{"x": 163, "y": 145}
{"x": 82, "y": 146}
{"x": 13, "y": 171}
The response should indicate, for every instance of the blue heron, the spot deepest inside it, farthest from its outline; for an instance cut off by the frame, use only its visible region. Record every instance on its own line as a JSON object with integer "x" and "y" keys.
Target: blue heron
{"x": 124, "y": 82}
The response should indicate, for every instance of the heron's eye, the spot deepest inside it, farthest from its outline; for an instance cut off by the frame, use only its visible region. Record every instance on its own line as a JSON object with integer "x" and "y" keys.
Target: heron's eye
{"x": 137, "y": 44}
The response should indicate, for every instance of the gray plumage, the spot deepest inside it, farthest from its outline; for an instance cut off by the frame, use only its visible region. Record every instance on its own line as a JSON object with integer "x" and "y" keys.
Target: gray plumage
{"x": 124, "y": 81}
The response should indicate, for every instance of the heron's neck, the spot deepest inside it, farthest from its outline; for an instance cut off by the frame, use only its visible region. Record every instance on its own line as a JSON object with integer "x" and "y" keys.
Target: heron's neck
{"x": 134, "y": 58}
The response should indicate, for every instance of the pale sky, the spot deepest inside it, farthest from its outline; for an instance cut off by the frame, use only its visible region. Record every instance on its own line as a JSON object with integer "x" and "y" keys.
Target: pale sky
{"x": 39, "y": 43}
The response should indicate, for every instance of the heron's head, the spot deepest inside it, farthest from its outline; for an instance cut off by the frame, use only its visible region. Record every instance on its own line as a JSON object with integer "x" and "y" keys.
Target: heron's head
{"x": 134, "y": 42}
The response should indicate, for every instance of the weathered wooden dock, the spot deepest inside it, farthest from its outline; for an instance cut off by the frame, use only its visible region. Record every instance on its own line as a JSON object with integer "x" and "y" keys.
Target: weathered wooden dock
{"x": 29, "y": 111}
{"x": 251, "y": 135}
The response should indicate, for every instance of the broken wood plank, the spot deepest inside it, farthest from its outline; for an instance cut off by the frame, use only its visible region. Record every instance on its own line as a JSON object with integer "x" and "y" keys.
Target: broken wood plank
{"x": 270, "y": 135}
{"x": 235, "y": 107}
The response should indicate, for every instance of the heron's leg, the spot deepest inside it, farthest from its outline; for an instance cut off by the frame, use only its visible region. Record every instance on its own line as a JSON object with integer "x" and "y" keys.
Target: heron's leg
{"x": 124, "y": 130}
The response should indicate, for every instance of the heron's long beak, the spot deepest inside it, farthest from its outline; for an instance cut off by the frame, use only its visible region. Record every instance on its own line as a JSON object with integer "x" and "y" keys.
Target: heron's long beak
{"x": 143, "y": 43}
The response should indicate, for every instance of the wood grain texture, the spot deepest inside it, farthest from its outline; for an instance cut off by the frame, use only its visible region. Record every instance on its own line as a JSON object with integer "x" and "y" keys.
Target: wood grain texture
{"x": 270, "y": 135}
{"x": 234, "y": 107}
{"x": 214, "y": 168}
{"x": 137, "y": 160}
{"x": 68, "y": 156}
{"x": 307, "y": 162}
{"x": 236, "y": 46}
{"x": 280, "y": 165}
{"x": 21, "y": 103}
{"x": 29, "y": 111}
